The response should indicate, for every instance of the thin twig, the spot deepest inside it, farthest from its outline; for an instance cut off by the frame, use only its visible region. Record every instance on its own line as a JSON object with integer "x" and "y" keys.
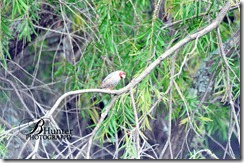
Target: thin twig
{"x": 103, "y": 115}
{"x": 196, "y": 16}
{"x": 219, "y": 144}
{"x": 229, "y": 91}
{"x": 164, "y": 149}
{"x": 151, "y": 67}
{"x": 137, "y": 80}
{"x": 229, "y": 87}
{"x": 137, "y": 129}
{"x": 185, "y": 59}
{"x": 187, "y": 109}
{"x": 212, "y": 155}
{"x": 172, "y": 71}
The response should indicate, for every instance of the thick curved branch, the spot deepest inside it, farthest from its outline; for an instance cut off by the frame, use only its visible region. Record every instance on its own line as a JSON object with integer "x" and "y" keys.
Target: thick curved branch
{"x": 181, "y": 43}
{"x": 60, "y": 99}
{"x": 149, "y": 69}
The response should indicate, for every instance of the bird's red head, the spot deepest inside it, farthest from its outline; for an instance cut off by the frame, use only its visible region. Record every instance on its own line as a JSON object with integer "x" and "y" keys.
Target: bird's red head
{"x": 122, "y": 74}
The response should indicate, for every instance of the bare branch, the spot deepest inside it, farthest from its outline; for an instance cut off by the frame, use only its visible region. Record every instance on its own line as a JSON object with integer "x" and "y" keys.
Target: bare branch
{"x": 229, "y": 87}
{"x": 104, "y": 114}
{"x": 149, "y": 69}
{"x": 137, "y": 129}
{"x": 229, "y": 91}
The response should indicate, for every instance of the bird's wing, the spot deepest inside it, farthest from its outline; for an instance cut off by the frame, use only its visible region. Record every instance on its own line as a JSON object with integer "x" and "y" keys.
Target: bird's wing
{"x": 108, "y": 80}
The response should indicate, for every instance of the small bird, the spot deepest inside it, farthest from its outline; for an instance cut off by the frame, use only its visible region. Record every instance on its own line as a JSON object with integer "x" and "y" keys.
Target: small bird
{"x": 113, "y": 79}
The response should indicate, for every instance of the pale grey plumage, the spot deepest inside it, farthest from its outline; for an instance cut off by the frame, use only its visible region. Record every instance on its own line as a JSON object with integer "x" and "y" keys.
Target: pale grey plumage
{"x": 113, "y": 79}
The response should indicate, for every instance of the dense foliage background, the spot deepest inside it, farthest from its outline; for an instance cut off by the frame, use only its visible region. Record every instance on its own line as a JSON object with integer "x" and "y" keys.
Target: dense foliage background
{"x": 188, "y": 107}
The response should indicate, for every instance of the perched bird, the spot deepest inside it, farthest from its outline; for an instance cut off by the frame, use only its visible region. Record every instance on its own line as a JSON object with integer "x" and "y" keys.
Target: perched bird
{"x": 112, "y": 79}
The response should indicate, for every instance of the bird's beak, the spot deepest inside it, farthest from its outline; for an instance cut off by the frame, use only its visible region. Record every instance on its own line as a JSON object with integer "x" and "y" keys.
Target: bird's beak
{"x": 123, "y": 76}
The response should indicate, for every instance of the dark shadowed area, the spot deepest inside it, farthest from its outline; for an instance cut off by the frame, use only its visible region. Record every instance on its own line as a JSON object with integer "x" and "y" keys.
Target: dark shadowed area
{"x": 178, "y": 98}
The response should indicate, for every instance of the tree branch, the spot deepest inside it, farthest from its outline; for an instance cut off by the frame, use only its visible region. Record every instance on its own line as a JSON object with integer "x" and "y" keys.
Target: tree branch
{"x": 137, "y": 128}
{"x": 104, "y": 114}
{"x": 149, "y": 69}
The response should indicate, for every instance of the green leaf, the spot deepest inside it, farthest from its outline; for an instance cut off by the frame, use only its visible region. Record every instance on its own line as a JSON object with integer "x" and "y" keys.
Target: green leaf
{"x": 206, "y": 119}
{"x": 184, "y": 121}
